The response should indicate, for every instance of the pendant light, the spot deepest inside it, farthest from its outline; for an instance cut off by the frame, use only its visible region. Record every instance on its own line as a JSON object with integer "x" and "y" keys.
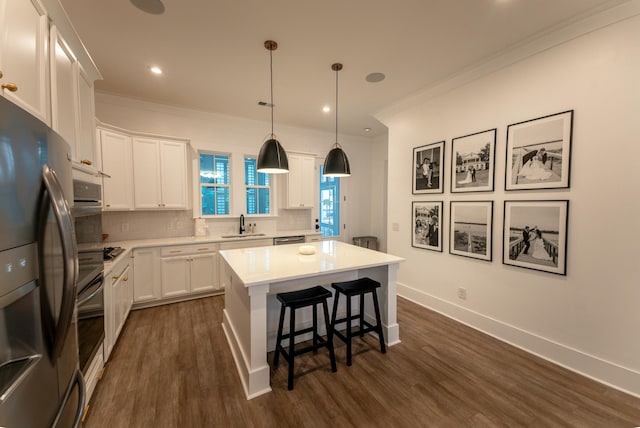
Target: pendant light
{"x": 336, "y": 163}
{"x": 272, "y": 158}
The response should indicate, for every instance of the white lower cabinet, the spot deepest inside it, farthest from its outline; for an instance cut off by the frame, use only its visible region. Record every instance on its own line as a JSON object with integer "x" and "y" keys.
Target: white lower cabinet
{"x": 146, "y": 275}
{"x": 187, "y": 269}
{"x": 118, "y": 301}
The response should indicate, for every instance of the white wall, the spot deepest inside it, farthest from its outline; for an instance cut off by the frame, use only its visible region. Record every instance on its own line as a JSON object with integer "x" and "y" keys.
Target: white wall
{"x": 589, "y": 319}
{"x": 239, "y": 136}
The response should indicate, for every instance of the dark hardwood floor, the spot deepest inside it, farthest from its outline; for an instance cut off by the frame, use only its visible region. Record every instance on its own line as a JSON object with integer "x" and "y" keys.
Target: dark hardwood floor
{"x": 172, "y": 367}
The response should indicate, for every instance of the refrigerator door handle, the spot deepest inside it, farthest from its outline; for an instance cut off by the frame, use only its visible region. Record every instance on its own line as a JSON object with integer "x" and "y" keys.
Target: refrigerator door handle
{"x": 82, "y": 396}
{"x": 55, "y": 198}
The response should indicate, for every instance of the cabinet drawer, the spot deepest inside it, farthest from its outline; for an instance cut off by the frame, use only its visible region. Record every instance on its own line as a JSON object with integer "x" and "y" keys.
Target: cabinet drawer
{"x": 181, "y": 250}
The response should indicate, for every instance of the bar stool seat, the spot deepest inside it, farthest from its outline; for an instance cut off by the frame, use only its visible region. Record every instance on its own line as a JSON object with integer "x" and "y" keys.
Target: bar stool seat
{"x": 358, "y": 287}
{"x": 296, "y": 300}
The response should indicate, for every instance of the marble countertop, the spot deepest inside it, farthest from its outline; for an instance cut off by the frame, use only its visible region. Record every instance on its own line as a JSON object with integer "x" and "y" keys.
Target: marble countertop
{"x": 129, "y": 245}
{"x": 261, "y": 265}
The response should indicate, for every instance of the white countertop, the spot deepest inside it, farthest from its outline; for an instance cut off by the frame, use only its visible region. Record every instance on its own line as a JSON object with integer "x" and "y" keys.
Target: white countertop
{"x": 186, "y": 240}
{"x": 261, "y": 265}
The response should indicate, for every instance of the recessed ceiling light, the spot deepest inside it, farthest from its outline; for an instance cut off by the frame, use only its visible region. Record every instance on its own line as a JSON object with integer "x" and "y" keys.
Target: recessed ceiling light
{"x": 156, "y": 70}
{"x": 375, "y": 77}
{"x": 367, "y": 129}
{"x": 154, "y": 7}
{"x": 326, "y": 109}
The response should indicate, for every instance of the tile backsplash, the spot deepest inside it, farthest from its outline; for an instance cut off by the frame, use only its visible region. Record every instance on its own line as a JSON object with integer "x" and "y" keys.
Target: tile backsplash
{"x": 126, "y": 225}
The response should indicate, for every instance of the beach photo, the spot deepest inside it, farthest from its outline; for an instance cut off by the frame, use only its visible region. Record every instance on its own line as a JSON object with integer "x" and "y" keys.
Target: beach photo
{"x": 427, "y": 218}
{"x": 428, "y": 168}
{"x": 535, "y": 235}
{"x": 471, "y": 229}
{"x": 472, "y": 162}
{"x": 539, "y": 153}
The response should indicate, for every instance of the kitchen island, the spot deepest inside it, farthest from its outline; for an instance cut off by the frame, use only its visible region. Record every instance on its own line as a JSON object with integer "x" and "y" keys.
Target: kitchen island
{"x": 253, "y": 276}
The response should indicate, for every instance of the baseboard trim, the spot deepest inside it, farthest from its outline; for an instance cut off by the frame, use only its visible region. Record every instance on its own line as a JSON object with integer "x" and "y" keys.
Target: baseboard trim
{"x": 602, "y": 371}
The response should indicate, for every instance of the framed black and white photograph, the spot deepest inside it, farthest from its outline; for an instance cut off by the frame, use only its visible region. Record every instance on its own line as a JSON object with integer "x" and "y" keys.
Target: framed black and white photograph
{"x": 428, "y": 168}
{"x": 471, "y": 229}
{"x": 426, "y": 220}
{"x": 539, "y": 153}
{"x": 472, "y": 162}
{"x": 535, "y": 235}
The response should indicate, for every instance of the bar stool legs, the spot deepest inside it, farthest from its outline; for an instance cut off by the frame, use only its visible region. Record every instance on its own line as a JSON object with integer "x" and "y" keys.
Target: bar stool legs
{"x": 358, "y": 287}
{"x": 296, "y": 300}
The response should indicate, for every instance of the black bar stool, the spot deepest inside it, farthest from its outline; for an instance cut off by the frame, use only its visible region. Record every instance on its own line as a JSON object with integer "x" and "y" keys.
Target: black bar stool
{"x": 357, "y": 287}
{"x": 296, "y": 300}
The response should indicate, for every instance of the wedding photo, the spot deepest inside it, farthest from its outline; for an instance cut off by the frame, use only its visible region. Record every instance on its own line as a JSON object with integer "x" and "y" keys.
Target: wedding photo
{"x": 426, "y": 218}
{"x": 472, "y": 162}
{"x": 470, "y": 233}
{"x": 539, "y": 153}
{"x": 535, "y": 235}
{"x": 428, "y": 171}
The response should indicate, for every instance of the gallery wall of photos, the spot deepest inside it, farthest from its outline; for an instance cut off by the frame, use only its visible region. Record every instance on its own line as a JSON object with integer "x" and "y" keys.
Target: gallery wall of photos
{"x": 534, "y": 232}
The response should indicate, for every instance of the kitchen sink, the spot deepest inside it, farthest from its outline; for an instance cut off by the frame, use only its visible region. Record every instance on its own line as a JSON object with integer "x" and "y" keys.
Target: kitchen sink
{"x": 244, "y": 235}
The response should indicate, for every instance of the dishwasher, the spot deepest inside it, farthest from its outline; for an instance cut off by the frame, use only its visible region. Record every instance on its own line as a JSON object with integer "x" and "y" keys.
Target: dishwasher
{"x": 284, "y": 240}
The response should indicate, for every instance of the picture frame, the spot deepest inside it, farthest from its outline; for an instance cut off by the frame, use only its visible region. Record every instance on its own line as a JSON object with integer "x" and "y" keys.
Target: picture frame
{"x": 473, "y": 162}
{"x": 539, "y": 153}
{"x": 428, "y": 168}
{"x": 427, "y": 219}
{"x": 471, "y": 229}
{"x": 535, "y": 235}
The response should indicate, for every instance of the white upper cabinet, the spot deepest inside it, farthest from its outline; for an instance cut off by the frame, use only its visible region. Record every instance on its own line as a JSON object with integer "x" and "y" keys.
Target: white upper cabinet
{"x": 64, "y": 89}
{"x": 24, "y": 69}
{"x": 299, "y": 182}
{"x": 85, "y": 141}
{"x": 117, "y": 184}
{"x": 160, "y": 174}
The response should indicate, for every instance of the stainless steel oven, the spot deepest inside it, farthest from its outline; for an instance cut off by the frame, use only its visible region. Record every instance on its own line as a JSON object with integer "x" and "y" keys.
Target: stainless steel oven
{"x": 87, "y": 215}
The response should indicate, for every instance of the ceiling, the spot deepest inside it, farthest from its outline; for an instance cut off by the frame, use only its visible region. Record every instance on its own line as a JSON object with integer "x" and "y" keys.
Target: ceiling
{"x": 213, "y": 55}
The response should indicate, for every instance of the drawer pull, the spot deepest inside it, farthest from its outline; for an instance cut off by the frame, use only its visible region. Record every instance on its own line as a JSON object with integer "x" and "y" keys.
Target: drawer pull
{"x": 203, "y": 249}
{"x": 10, "y": 87}
{"x": 175, "y": 251}
{"x": 86, "y": 162}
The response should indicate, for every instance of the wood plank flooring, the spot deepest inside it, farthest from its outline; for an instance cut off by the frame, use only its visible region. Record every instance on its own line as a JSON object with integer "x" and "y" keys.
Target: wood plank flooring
{"x": 172, "y": 367}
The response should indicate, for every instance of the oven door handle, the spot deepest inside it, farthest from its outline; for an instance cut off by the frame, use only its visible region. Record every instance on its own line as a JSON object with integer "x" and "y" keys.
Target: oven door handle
{"x": 94, "y": 287}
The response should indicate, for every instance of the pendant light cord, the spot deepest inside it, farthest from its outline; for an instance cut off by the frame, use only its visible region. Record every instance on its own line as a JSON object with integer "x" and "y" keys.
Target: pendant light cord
{"x": 271, "y": 74}
{"x": 337, "y": 107}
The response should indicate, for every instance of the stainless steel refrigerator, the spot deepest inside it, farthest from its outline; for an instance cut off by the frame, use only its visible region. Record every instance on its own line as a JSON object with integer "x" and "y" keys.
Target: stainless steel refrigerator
{"x": 40, "y": 381}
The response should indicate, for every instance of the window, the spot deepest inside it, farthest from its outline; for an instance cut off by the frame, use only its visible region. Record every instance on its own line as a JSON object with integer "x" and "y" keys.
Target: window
{"x": 258, "y": 188}
{"x": 214, "y": 184}
{"x": 329, "y": 205}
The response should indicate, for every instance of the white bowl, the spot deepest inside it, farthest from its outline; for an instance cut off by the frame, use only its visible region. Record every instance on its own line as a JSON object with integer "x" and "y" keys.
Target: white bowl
{"x": 306, "y": 249}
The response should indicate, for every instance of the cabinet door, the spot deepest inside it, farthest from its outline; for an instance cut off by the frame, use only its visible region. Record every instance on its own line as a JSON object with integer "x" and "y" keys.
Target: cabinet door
{"x": 24, "y": 56}
{"x": 85, "y": 151}
{"x": 204, "y": 272}
{"x": 174, "y": 273}
{"x": 64, "y": 89}
{"x": 146, "y": 174}
{"x": 144, "y": 279}
{"x": 173, "y": 160}
{"x": 117, "y": 189}
{"x": 301, "y": 177}
{"x": 109, "y": 316}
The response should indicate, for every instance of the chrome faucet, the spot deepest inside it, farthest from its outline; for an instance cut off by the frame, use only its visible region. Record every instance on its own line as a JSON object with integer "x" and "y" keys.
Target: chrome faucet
{"x": 241, "y": 224}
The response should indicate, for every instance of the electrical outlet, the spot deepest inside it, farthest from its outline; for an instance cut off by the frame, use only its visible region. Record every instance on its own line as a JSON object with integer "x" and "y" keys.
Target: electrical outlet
{"x": 124, "y": 227}
{"x": 395, "y": 227}
{"x": 179, "y": 224}
{"x": 462, "y": 293}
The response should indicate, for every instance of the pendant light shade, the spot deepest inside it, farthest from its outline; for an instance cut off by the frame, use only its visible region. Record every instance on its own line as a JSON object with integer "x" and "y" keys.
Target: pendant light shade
{"x": 336, "y": 164}
{"x": 272, "y": 158}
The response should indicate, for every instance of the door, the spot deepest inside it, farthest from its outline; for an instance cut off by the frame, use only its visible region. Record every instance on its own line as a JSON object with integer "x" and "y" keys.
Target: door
{"x": 24, "y": 56}
{"x": 173, "y": 163}
{"x": 117, "y": 186}
{"x": 204, "y": 272}
{"x": 146, "y": 174}
{"x": 175, "y": 276}
{"x": 64, "y": 89}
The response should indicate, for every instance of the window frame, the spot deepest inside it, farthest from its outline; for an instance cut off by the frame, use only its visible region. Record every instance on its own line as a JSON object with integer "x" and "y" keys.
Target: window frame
{"x": 228, "y": 186}
{"x": 339, "y": 236}
{"x": 257, "y": 187}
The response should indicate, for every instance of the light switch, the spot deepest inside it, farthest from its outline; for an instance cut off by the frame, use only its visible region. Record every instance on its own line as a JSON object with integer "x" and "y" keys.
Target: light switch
{"x": 395, "y": 227}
